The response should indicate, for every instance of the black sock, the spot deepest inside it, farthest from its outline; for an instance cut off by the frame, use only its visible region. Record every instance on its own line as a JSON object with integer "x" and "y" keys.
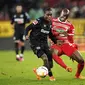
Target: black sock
{"x": 22, "y": 49}
{"x": 16, "y": 48}
{"x": 50, "y": 73}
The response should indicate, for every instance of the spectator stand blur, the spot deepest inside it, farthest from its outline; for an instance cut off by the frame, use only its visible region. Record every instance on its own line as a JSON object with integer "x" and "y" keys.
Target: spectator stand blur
{"x": 35, "y": 9}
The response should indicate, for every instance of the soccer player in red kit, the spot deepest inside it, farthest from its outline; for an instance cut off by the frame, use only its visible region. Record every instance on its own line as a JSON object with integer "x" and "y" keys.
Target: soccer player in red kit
{"x": 63, "y": 30}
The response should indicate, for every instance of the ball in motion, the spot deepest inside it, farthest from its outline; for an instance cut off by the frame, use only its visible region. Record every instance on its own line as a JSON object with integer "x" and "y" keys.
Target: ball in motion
{"x": 42, "y": 71}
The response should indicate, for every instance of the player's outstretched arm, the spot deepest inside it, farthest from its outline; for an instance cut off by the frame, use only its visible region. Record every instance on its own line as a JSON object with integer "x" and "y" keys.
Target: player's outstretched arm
{"x": 28, "y": 28}
{"x": 32, "y": 26}
{"x": 27, "y": 17}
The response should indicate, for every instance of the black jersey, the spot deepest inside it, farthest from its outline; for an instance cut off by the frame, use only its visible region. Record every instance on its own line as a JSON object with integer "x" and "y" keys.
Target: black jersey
{"x": 19, "y": 20}
{"x": 41, "y": 29}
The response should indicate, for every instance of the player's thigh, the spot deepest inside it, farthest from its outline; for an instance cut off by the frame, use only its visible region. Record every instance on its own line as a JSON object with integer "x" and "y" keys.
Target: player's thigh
{"x": 56, "y": 50}
{"x": 72, "y": 52}
{"x": 22, "y": 39}
{"x": 37, "y": 50}
{"x": 68, "y": 49}
{"x": 16, "y": 37}
{"x": 48, "y": 52}
{"x": 49, "y": 56}
{"x": 77, "y": 57}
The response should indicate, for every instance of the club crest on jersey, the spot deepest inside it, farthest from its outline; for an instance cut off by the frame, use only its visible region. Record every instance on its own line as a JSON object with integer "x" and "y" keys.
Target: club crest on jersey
{"x": 21, "y": 15}
{"x": 44, "y": 25}
{"x": 35, "y": 22}
{"x": 14, "y": 16}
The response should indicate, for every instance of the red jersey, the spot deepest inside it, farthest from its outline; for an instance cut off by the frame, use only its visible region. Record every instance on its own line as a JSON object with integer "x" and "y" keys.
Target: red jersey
{"x": 62, "y": 30}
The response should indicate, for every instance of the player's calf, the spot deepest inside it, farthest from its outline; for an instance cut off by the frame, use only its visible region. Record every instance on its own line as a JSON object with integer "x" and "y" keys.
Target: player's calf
{"x": 78, "y": 58}
{"x": 49, "y": 65}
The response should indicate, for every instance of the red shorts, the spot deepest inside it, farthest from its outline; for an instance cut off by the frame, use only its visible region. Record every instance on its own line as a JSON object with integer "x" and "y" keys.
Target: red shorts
{"x": 65, "y": 48}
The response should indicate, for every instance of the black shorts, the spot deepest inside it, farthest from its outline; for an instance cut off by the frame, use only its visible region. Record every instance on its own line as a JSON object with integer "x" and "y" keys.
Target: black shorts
{"x": 19, "y": 36}
{"x": 41, "y": 48}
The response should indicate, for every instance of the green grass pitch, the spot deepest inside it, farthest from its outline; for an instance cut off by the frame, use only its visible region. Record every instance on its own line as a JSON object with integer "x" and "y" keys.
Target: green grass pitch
{"x": 13, "y": 72}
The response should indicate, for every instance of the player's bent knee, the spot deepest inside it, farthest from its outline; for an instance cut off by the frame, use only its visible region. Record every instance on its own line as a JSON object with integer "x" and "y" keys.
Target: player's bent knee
{"x": 81, "y": 61}
{"x": 21, "y": 43}
{"x": 44, "y": 57}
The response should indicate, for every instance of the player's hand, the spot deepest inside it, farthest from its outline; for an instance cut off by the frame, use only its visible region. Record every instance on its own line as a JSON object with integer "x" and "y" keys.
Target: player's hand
{"x": 26, "y": 37}
{"x": 65, "y": 33}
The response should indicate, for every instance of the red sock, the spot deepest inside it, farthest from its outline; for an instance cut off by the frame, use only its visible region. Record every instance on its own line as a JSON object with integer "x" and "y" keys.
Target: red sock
{"x": 79, "y": 69}
{"x": 58, "y": 60}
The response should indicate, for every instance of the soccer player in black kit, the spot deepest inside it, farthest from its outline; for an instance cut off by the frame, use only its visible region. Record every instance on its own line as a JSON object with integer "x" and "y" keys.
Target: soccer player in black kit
{"x": 40, "y": 31}
{"x": 19, "y": 19}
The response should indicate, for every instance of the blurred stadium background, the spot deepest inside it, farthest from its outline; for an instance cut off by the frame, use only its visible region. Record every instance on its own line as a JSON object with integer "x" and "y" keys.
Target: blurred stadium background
{"x": 20, "y": 73}
{"x": 35, "y": 9}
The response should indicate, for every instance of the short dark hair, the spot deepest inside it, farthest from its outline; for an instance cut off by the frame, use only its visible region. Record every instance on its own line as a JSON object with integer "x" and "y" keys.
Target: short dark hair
{"x": 19, "y": 4}
{"x": 65, "y": 10}
{"x": 47, "y": 9}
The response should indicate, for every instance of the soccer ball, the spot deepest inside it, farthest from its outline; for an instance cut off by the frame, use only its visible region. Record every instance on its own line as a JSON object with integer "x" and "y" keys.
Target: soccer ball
{"x": 42, "y": 71}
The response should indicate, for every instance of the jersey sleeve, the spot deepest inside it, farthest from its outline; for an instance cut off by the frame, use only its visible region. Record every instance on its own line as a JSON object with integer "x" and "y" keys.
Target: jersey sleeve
{"x": 71, "y": 34}
{"x": 27, "y": 17}
{"x": 32, "y": 26}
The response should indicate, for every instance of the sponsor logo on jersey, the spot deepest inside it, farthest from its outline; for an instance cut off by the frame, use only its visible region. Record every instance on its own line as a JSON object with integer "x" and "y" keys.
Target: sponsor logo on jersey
{"x": 44, "y": 31}
{"x": 60, "y": 30}
{"x": 19, "y": 20}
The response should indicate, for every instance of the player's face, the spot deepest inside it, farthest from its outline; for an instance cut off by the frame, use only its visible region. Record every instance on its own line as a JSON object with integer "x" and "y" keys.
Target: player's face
{"x": 48, "y": 15}
{"x": 19, "y": 9}
{"x": 64, "y": 16}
